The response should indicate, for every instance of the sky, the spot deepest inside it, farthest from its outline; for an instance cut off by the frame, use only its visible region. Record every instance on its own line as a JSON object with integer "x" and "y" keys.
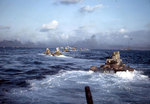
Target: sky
{"x": 81, "y": 23}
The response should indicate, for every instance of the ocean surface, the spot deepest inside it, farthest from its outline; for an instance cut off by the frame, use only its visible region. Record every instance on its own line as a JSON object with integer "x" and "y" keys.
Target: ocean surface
{"x": 27, "y": 76}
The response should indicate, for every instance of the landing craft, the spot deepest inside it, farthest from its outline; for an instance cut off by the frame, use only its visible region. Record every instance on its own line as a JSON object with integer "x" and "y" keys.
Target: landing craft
{"x": 113, "y": 64}
{"x": 47, "y": 52}
{"x": 56, "y": 53}
{"x": 66, "y": 49}
{"x": 83, "y": 49}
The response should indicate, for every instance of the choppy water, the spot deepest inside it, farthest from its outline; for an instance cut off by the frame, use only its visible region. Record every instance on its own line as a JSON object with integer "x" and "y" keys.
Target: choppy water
{"x": 29, "y": 77}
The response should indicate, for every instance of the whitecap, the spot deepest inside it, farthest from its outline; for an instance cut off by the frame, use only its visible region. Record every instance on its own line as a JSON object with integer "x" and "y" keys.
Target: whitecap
{"x": 63, "y": 56}
{"x": 70, "y": 84}
{"x": 131, "y": 75}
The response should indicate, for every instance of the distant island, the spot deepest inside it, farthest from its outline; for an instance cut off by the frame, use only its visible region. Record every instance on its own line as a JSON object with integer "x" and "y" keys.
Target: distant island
{"x": 16, "y": 44}
{"x": 19, "y": 44}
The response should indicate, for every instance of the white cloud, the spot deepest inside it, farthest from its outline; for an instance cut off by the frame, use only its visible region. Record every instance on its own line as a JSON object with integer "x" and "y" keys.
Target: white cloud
{"x": 69, "y": 1}
{"x": 64, "y": 36}
{"x": 122, "y": 30}
{"x": 88, "y": 8}
{"x": 50, "y": 26}
{"x": 126, "y": 36}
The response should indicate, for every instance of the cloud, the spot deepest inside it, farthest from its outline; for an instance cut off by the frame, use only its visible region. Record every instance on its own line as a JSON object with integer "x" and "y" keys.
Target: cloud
{"x": 81, "y": 37}
{"x": 126, "y": 36}
{"x": 90, "y": 42}
{"x": 115, "y": 40}
{"x": 64, "y": 36}
{"x": 4, "y": 27}
{"x": 122, "y": 30}
{"x": 81, "y": 33}
{"x": 50, "y": 26}
{"x": 89, "y": 9}
{"x": 69, "y": 1}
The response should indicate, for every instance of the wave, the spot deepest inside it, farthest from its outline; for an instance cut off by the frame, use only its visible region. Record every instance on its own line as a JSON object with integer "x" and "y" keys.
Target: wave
{"x": 131, "y": 75}
{"x": 63, "y": 56}
{"x": 70, "y": 84}
{"x": 54, "y": 56}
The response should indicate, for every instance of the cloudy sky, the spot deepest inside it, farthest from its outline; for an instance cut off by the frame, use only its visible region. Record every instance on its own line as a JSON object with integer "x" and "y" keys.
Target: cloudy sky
{"x": 84, "y": 23}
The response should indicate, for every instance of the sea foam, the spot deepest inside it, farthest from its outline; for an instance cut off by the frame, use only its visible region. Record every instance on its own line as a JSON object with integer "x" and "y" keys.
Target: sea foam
{"x": 72, "y": 83}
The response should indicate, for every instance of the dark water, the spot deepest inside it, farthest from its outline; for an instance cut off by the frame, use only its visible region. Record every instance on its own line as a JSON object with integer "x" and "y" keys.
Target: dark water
{"x": 29, "y": 77}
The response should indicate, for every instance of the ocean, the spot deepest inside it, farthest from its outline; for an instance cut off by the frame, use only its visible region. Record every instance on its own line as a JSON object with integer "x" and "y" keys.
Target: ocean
{"x": 27, "y": 76}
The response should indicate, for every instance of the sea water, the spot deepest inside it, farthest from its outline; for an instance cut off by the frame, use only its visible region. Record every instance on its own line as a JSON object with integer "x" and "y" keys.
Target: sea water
{"x": 29, "y": 77}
